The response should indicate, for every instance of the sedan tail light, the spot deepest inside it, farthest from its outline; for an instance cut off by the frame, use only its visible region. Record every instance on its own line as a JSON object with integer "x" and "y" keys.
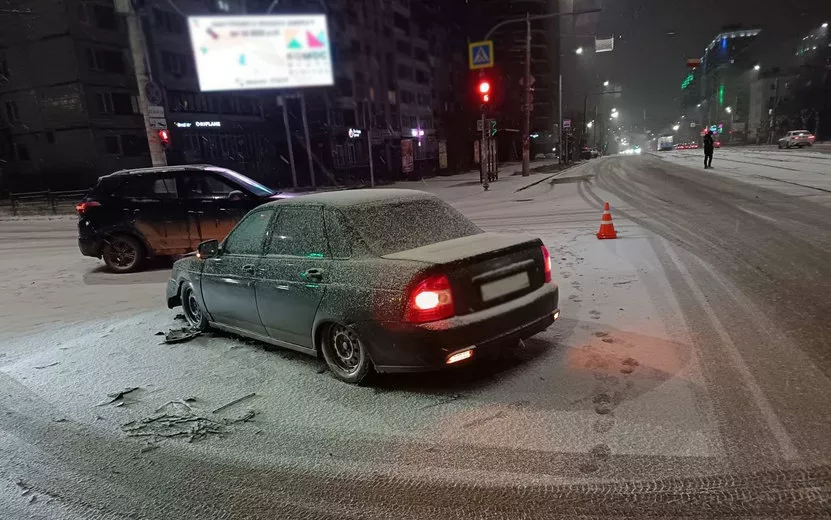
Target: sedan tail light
{"x": 546, "y": 260}
{"x": 430, "y": 300}
{"x": 83, "y": 206}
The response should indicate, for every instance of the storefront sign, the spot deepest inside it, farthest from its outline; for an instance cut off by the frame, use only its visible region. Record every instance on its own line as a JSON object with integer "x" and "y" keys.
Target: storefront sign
{"x": 198, "y": 124}
{"x": 354, "y": 133}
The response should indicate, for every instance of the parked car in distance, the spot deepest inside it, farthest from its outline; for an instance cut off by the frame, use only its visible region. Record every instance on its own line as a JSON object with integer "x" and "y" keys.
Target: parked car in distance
{"x": 133, "y": 215}
{"x": 383, "y": 279}
{"x": 595, "y": 153}
{"x": 798, "y": 138}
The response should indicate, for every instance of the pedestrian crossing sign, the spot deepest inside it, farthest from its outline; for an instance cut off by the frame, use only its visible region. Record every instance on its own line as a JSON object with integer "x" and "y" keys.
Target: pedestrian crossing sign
{"x": 480, "y": 54}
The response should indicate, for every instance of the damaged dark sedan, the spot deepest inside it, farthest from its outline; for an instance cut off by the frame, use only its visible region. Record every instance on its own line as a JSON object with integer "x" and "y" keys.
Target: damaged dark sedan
{"x": 371, "y": 280}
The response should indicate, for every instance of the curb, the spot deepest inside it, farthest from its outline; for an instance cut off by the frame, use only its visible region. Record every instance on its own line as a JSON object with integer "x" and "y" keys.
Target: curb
{"x": 545, "y": 178}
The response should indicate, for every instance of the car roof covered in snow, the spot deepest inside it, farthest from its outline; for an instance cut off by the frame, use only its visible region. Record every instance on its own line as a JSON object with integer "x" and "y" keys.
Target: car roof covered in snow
{"x": 347, "y": 198}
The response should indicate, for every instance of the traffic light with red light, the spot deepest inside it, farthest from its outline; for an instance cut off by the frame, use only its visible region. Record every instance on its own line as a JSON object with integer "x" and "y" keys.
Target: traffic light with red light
{"x": 484, "y": 89}
{"x": 164, "y": 137}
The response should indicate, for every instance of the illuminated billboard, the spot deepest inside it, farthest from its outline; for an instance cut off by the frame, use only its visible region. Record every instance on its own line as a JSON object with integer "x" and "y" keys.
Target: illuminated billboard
{"x": 261, "y": 52}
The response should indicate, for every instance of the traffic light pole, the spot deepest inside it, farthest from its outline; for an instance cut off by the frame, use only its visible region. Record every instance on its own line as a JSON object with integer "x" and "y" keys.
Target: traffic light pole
{"x": 526, "y": 137}
{"x": 483, "y": 168}
{"x": 526, "y": 128}
{"x": 138, "y": 50}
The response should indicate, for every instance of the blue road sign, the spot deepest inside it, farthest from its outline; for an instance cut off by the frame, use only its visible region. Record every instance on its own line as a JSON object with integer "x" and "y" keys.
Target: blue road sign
{"x": 480, "y": 54}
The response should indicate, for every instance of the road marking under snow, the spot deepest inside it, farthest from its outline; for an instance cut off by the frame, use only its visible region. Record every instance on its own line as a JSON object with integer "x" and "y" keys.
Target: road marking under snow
{"x": 775, "y": 426}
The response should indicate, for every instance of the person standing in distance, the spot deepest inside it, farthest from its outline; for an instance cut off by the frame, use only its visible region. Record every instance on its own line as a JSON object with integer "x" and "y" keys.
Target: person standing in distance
{"x": 708, "y": 149}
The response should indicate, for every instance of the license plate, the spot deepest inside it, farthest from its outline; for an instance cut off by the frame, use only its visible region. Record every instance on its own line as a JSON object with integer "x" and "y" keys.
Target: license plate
{"x": 504, "y": 286}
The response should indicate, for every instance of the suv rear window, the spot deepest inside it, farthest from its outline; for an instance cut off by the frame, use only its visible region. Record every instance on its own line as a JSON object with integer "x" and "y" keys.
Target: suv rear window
{"x": 147, "y": 187}
{"x": 400, "y": 225}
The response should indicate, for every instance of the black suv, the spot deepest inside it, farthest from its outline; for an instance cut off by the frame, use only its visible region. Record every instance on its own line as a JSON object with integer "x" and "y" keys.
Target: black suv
{"x": 133, "y": 215}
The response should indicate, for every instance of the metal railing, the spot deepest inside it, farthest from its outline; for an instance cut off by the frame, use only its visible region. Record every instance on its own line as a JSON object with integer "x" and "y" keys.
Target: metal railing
{"x": 35, "y": 202}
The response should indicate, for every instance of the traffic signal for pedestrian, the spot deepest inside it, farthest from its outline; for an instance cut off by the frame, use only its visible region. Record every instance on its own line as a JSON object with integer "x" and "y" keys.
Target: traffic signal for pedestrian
{"x": 164, "y": 137}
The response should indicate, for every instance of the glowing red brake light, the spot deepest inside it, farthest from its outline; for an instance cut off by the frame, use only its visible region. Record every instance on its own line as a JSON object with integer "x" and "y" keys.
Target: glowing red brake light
{"x": 430, "y": 300}
{"x": 82, "y": 207}
{"x": 546, "y": 260}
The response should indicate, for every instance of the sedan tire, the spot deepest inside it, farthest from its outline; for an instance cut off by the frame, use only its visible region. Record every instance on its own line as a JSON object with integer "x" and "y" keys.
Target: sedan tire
{"x": 345, "y": 354}
{"x": 194, "y": 314}
{"x": 123, "y": 254}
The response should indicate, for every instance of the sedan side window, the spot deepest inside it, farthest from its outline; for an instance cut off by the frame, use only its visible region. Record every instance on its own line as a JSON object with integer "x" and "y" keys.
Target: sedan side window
{"x": 248, "y": 237}
{"x": 299, "y": 232}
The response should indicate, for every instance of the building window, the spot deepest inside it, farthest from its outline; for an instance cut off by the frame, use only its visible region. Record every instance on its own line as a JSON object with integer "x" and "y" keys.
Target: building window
{"x": 345, "y": 87}
{"x": 133, "y": 145}
{"x": 421, "y": 77}
{"x": 340, "y": 156}
{"x": 22, "y": 152}
{"x": 104, "y": 16}
{"x": 402, "y": 47}
{"x": 12, "y": 115}
{"x": 420, "y": 54}
{"x": 111, "y": 145}
{"x": 407, "y": 97}
{"x": 103, "y": 60}
{"x": 168, "y": 22}
{"x": 4, "y": 68}
{"x": 175, "y": 63}
{"x": 405, "y": 72}
{"x": 402, "y": 22}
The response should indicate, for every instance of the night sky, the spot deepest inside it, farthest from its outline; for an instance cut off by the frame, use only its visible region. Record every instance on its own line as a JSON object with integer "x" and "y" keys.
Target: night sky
{"x": 649, "y": 62}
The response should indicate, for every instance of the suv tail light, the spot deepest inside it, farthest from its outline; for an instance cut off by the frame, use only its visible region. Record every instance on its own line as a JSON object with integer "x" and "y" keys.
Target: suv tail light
{"x": 430, "y": 300}
{"x": 83, "y": 206}
{"x": 546, "y": 260}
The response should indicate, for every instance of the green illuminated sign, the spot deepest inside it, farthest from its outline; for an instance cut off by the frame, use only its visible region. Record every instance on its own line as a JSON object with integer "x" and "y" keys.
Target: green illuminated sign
{"x": 689, "y": 79}
{"x": 721, "y": 95}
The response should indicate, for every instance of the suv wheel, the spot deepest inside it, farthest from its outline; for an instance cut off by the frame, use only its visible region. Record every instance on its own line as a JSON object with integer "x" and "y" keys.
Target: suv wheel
{"x": 123, "y": 254}
{"x": 345, "y": 354}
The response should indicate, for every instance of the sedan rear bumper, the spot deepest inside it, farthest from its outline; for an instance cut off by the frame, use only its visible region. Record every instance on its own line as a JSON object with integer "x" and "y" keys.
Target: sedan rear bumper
{"x": 414, "y": 348}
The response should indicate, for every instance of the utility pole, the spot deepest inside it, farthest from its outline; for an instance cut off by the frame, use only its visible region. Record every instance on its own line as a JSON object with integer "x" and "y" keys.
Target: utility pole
{"x": 369, "y": 144}
{"x": 308, "y": 142}
{"x": 560, "y": 115}
{"x": 526, "y": 130}
{"x": 138, "y": 50}
{"x": 283, "y": 101}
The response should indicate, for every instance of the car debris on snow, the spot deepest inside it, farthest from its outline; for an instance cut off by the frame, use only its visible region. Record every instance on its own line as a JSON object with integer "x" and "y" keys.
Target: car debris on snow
{"x": 47, "y": 366}
{"x": 235, "y": 401}
{"x": 177, "y": 419}
{"x": 180, "y": 335}
{"x": 118, "y": 396}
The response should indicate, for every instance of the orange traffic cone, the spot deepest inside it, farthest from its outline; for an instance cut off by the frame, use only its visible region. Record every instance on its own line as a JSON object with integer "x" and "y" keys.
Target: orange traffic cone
{"x": 607, "y": 228}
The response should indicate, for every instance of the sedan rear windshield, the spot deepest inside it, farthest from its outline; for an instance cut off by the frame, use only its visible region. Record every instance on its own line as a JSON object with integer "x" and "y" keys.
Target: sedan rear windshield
{"x": 396, "y": 226}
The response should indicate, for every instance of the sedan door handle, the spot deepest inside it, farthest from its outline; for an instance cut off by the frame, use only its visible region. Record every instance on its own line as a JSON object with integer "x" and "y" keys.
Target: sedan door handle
{"x": 313, "y": 274}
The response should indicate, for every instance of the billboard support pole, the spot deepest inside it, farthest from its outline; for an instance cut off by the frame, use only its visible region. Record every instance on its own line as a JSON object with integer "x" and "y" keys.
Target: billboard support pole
{"x": 281, "y": 100}
{"x": 306, "y": 135}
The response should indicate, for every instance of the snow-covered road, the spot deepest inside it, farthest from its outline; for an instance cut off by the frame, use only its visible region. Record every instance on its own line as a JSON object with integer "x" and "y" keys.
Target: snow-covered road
{"x": 642, "y": 385}
{"x": 798, "y": 172}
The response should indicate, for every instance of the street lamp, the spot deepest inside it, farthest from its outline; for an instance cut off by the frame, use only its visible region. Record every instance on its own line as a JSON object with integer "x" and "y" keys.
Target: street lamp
{"x": 606, "y": 83}
{"x": 675, "y": 128}
{"x": 824, "y": 25}
{"x": 729, "y": 110}
{"x": 579, "y": 50}
{"x": 615, "y": 115}
{"x": 590, "y": 124}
